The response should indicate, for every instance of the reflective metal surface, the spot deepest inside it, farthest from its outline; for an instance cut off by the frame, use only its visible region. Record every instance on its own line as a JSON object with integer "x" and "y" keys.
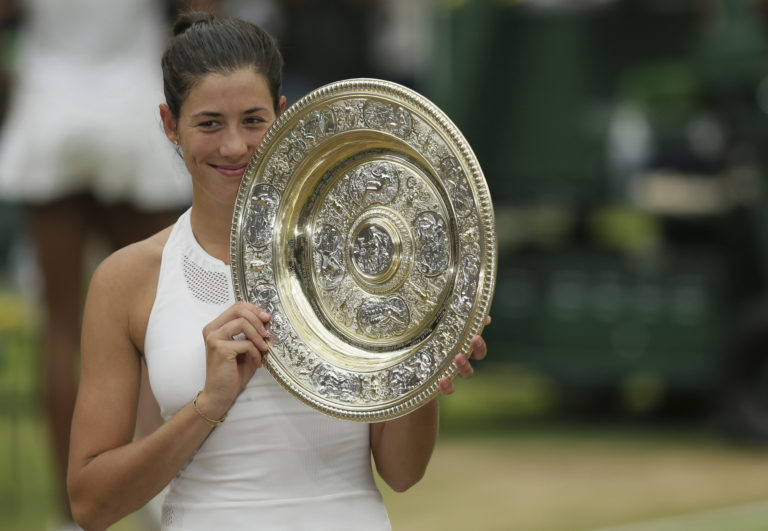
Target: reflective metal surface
{"x": 365, "y": 227}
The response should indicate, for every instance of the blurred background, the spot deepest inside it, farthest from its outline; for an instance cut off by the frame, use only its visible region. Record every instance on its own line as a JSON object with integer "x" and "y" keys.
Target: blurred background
{"x": 624, "y": 145}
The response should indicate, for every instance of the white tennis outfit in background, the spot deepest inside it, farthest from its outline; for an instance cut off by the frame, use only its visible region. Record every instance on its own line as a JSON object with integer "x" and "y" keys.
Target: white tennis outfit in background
{"x": 275, "y": 463}
{"x": 83, "y": 115}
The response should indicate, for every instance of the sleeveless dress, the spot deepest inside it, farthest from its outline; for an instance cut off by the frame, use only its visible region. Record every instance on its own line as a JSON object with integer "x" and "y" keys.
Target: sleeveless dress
{"x": 83, "y": 115}
{"x": 276, "y": 463}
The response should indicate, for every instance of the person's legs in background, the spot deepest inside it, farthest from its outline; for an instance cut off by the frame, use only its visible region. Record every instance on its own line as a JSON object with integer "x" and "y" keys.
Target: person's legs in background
{"x": 61, "y": 231}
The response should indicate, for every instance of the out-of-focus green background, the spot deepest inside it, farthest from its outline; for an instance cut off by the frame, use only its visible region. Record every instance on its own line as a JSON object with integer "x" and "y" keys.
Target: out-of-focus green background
{"x": 624, "y": 143}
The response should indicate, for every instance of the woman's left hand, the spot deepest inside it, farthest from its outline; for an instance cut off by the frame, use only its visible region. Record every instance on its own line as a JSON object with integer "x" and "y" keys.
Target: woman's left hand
{"x": 463, "y": 364}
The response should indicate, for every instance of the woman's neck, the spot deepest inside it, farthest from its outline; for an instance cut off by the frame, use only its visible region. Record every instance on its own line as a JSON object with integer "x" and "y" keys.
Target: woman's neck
{"x": 211, "y": 227}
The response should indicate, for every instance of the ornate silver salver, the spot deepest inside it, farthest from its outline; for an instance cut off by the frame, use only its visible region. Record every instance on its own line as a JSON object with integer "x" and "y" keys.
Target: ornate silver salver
{"x": 364, "y": 226}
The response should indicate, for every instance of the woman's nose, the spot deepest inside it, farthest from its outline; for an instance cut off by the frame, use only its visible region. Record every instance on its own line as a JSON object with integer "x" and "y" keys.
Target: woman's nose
{"x": 233, "y": 144}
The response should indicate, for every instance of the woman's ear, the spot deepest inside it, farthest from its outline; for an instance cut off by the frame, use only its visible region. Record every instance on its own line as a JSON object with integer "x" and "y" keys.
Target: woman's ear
{"x": 169, "y": 123}
{"x": 282, "y": 105}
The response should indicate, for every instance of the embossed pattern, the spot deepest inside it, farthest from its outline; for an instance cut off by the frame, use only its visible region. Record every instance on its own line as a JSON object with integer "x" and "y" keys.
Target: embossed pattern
{"x": 261, "y": 219}
{"x": 373, "y": 250}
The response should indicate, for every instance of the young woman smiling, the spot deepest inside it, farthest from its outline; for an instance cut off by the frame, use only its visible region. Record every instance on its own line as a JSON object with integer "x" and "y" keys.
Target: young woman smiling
{"x": 275, "y": 463}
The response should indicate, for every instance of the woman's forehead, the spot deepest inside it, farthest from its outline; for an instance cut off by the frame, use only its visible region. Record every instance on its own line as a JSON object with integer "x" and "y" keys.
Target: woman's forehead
{"x": 243, "y": 88}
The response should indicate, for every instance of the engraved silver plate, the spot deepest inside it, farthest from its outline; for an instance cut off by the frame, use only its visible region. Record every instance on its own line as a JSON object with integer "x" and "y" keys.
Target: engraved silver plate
{"x": 364, "y": 225}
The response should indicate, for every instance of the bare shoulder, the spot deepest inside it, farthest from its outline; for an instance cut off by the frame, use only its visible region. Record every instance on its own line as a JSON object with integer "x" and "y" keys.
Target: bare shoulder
{"x": 127, "y": 281}
{"x": 128, "y": 268}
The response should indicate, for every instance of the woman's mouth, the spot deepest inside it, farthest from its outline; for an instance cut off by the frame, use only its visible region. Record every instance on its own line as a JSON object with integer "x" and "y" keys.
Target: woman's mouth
{"x": 230, "y": 170}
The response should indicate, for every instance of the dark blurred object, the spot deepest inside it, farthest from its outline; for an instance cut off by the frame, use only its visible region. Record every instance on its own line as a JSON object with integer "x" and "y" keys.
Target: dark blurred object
{"x": 10, "y": 20}
{"x": 624, "y": 146}
{"x": 325, "y": 41}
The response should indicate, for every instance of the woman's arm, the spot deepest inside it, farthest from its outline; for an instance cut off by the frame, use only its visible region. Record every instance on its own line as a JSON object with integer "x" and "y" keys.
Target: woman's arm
{"x": 110, "y": 475}
{"x": 402, "y": 447}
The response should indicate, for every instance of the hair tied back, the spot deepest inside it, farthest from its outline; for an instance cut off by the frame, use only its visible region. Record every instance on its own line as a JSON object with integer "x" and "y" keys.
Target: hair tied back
{"x": 189, "y": 19}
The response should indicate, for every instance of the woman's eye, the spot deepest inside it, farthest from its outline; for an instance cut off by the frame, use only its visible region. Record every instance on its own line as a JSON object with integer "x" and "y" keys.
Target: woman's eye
{"x": 207, "y": 124}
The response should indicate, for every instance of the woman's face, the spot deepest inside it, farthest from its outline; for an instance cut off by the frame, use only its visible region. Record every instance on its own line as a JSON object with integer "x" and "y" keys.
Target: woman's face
{"x": 219, "y": 127}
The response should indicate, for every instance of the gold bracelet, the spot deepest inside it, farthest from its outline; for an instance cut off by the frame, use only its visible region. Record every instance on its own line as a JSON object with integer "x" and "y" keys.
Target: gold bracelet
{"x": 208, "y": 420}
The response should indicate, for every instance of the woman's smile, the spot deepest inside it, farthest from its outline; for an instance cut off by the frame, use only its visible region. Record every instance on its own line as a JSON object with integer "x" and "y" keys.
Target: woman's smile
{"x": 230, "y": 170}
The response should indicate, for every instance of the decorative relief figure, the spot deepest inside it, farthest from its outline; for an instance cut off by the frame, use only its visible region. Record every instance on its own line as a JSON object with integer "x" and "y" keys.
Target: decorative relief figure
{"x": 431, "y": 243}
{"x": 382, "y": 116}
{"x": 466, "y": 285}
{"x": 401, "y": 123}
{"x": 456, "y": 182}
{"x": 336, "y": 384}
{"x": 374, "y": 183}
{"x": 261, "y": 218}
{"x": 412, "y": 373}
{"x": 328, "y": 257}
{"x": 375, "y": 387}
{"x": 376, "y": 114}
{"x": 318, "y": 124}
{"x": 383, "y": 318}
{"x": 348, "y": 114}
{"x": 373, "y": 250}
{"x": 293, "y": 147}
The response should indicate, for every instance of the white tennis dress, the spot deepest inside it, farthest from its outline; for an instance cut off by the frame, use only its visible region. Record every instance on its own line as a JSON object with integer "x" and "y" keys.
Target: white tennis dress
{"x": 83, "y": 115}
{"x": 276, "y": 463}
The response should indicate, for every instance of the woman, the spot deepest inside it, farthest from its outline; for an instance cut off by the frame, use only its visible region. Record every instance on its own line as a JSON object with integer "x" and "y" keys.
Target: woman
{"x": 275, "y": 463}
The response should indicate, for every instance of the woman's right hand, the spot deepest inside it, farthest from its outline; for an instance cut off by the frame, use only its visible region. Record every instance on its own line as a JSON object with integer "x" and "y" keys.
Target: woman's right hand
{"x": 235, "y": 344}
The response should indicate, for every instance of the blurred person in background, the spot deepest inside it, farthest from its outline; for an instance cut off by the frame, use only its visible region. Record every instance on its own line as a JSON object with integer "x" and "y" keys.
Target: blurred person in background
{"x": 386, "y": 39}
{"x": 276, "y": 463}
{"x": 80, "y": 150}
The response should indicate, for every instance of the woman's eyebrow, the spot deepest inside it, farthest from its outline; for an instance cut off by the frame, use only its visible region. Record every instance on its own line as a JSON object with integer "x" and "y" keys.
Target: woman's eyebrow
{"x": 213, "y": 114}
{"x": 210, "y": 114}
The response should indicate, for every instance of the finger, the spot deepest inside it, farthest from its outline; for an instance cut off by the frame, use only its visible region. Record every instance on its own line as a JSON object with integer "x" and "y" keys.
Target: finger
{"x": 244, "y": 310}
{"x": 229, "y": 350}
{"x": 247, "y": 365}
{"x": 264, "y": 315}
{"x": 234, "y": 331}
{"x": 479, "y": 348}
{"x": 446, "y": 385}
{"x": 253, "y": 336}
{"x": 253, "y": 352}
{"x": 253, "y": 357}
{"x": 255, "y": 315}
{"x": 464, "y": 367}
{"x": 487, "y": 320}
{"x": 246, "y": 353}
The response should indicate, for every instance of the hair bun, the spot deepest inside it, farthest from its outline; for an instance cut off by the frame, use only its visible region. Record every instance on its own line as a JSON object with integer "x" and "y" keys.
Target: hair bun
{"x": 189, "y": 19}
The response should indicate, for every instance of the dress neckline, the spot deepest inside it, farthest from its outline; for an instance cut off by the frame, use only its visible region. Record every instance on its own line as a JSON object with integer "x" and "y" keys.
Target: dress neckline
{"x": 197, "y": 250}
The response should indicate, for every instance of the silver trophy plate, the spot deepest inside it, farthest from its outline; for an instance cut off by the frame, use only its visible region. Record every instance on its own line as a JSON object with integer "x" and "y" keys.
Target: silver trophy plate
{"x": 364, "y": 225}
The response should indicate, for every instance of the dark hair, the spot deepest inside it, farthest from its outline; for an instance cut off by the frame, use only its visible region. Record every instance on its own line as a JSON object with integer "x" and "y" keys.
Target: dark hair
{"x": 203, "y": 44}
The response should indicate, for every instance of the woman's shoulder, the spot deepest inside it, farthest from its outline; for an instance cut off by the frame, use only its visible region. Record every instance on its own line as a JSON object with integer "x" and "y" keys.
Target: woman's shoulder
{"x": 125, "y": 283}
{"x": 129, "y": 275}
{"x": 134, "y": 263}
